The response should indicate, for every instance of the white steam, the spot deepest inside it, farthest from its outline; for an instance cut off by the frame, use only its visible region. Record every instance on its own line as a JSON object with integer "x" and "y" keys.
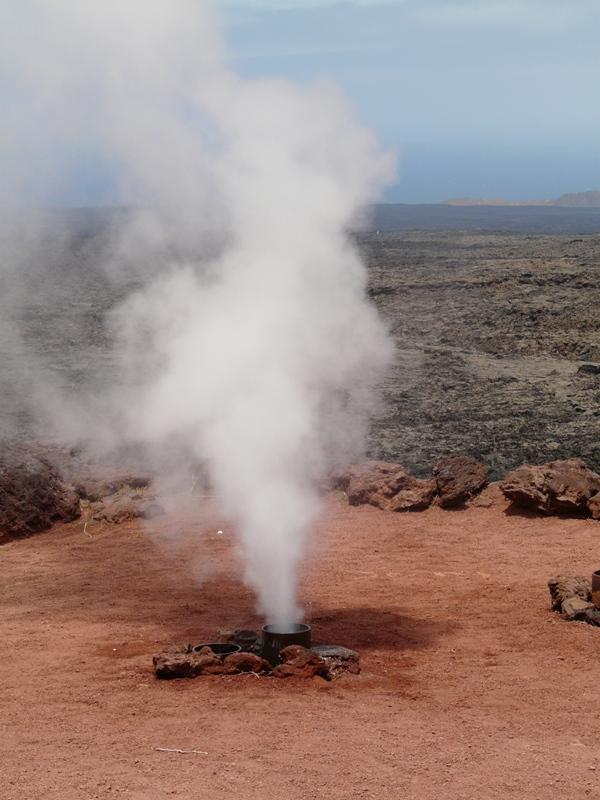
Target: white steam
{"x": 253, "y": 342}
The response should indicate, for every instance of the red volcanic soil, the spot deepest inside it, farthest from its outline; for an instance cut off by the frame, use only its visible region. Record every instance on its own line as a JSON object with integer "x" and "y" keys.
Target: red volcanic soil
{"x": 471, "y": 687}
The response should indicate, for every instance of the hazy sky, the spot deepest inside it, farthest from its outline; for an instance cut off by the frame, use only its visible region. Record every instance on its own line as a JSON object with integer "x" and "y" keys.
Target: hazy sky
{"x": 479, "y": 97}
{"x": 494, "y": 98}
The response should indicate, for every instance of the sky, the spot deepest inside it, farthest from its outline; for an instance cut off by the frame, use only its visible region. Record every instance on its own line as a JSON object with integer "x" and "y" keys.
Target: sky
{"x": 487, "y": 98}
{"x": 477, "y": 98}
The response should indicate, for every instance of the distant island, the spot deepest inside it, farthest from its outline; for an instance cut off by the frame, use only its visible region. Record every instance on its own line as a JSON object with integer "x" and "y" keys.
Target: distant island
{"x": 589, "y": 199}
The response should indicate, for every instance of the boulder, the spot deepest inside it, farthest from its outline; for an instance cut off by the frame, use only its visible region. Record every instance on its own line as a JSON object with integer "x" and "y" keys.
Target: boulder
{"x": 96, "y": 487}
{"x": 32, "y": 493}
{"x": 389, "y": 487}
{"x": 565, "y": 587}
{"x": 458, "y": 478}
{"x": 342, "y": 479}
{"x": 559, "y": 487}
{"x": 338, "y": 659}
{"x": 299, "y": 662}
{"x": 126, "y": 505}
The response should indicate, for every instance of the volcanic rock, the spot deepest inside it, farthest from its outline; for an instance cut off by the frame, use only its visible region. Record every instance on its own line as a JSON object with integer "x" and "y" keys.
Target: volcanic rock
{"x": 182, "y": 662}
{"x": 594, "y": 506}
{"x": 592, "y": 616}
{"x": 94, "y": 487}
{"x": 298, "y": 661}
{"x": 565, "y": 587}
{"x": 32, "y": 494}
{"x": 186, "y": 664}
{"x": 575, "y": 608}
{"x": 125, "y": 506}
{"x": 247, "y": 639}
{"x": 342, "y": 479}
{"x": 559, "y": 487}
{"x": 458, "y": 478}
{"x": 338, "y": 659}
{"x": 245, "y": 662}
{"x": 589, "y": 369}
{"x": 389, "y": 487}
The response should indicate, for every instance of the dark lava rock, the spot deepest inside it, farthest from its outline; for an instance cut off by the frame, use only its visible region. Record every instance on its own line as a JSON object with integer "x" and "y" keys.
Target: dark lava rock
{"x": 559, "y": 487}
{"x": 520, "y": 315}
{"x": 589, "y": 369}
{"x": 32, "y": 493}
{"x": 389, "y": 487}
{"x": 299, "y": 662}
{"x": 458, "y": 478}
{"x": 338, "y": 659}
{"x": 565, "y": 587}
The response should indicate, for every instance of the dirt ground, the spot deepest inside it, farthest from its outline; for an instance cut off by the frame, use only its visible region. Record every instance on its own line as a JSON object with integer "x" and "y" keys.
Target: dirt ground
{"x": 471, "y": 688}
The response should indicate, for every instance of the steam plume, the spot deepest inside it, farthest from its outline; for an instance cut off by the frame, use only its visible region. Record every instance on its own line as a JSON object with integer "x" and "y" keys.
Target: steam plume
{"x": 252, "y": 340}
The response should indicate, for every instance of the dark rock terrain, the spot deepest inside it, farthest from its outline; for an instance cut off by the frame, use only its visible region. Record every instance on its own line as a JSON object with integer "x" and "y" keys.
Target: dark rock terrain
{"x": 498, "y": 347}
{"x": 32, "y": 493}
{"x": 497, "y": 333}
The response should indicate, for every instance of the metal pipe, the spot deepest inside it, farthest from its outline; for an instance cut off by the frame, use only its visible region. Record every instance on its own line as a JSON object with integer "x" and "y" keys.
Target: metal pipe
{"x": 276, "y": 638}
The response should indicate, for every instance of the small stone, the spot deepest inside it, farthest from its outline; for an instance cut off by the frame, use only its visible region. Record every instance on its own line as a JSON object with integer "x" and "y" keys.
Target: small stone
{"x": 169, "y": 665}
{"x": 589, "y": 369}
{"x": 248, "y": 640}
{"x": 298, "y": 661}
{"x": 205, "y": 651}
{"x": 338, "y": 659}
{"x": 575, "y": 608}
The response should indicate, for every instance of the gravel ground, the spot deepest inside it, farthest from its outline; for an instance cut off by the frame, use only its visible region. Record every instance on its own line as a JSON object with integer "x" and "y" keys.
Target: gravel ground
{"x": 493, "y": 332}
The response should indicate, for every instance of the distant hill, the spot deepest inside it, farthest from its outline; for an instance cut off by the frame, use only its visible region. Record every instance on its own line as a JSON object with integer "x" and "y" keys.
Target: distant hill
{"x": 498, "y": 218}
{"x": 578, "y": 200}
{"x": 589, "y": 199}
